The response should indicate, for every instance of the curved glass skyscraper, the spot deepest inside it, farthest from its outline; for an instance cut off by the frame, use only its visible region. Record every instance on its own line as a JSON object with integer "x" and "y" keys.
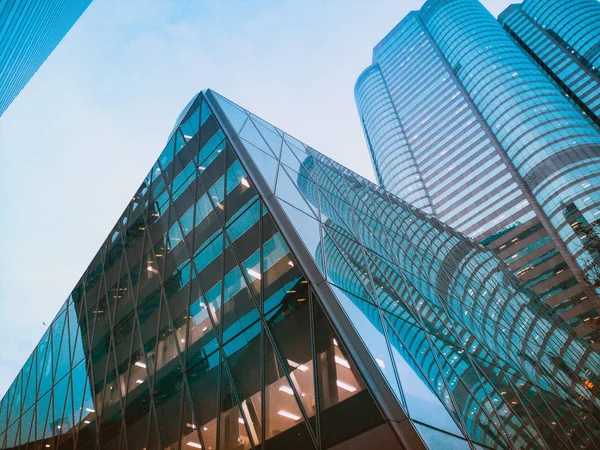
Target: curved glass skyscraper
{"x": 497, "y": 149}
{"x": 564, "y": 38}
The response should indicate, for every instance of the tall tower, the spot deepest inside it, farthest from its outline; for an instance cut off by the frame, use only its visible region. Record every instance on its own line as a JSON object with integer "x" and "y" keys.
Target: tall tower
{"x": 29, "y": 32}
{"x": 257, "y": 294}
{"x": 462, "y": 123}
{"x": 563, "y": 37}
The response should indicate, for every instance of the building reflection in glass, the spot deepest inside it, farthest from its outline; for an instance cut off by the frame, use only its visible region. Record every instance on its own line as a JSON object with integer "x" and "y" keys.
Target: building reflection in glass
{"x": 455, "y": 317}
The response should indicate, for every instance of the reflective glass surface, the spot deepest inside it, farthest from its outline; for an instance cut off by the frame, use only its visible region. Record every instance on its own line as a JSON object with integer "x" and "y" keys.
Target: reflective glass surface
{"x": 552, "y": 145}
{"x": 29, "y": 32}
{"x": 462, "y": 124}
{"x": 563, "y": 37}
{"x": 439, "y": 140}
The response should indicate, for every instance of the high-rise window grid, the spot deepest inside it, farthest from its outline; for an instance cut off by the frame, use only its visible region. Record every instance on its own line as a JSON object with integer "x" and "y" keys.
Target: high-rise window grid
{"x": 483, "y": 160}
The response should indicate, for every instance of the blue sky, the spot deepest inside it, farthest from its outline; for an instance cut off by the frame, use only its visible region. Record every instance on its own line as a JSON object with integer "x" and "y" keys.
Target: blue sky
{"x": 79, "y": 139}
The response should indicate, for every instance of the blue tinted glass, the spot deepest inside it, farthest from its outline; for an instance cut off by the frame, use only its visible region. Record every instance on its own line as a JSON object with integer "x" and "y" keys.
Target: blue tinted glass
{"x": 265, "y": 163}
{"x": 236, "y": 115}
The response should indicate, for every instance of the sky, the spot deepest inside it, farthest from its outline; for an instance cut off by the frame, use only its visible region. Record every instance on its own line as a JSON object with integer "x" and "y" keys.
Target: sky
{"x": 81, "y": 136}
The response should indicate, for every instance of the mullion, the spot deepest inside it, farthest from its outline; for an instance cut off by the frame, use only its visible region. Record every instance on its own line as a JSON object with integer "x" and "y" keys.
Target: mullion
{"x": 262, "y": 346}
{"x": 313, "y": 349}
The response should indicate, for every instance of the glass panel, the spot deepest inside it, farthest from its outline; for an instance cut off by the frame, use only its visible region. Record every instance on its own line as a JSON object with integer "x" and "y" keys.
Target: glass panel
{"x": 184, "y": 180}
{"x": 203, "y": 382}
{"x": 293, "y": 159}
{"x": 269, "y": 134}
{"x": 338, "y": 376}
{"x": 239, "y": 306}
{"x": 211, "y": 151}
{"x": 236, "y": 115}
{"x": 190, "y": 127}
{"x": 45, "y": 363}
{"x": 109, "y": 399}
{"x": 63, "y": 361}
{"x": 287, "y": 190}
{"x": 207, "y": 223}
{"x": 232, "y": 423}
{"x": 244, "y": 224}
{"x": 137, "y": 416}
{"x": 44, "y": 417}
{"x": 209, "y": 265}
{"x": 341, "y": 388}
{"x": 191, "y": 434}
{"x": 179, "y": 141}
{"x": 27, "y": 423}
{"x": 245, "y": 238}
{"x": 148, "y": 314}
{"x": 15, "y": 409}
{"x": 281, "y": 406}
{"x": 4, "y": 411}
{"x": 288, "y": 315}
{"x": 243, "y": 357}
{"x": 438, "y": 439}
{"x": 422, "y": 403}
{"x": 240, "y": 191}
{"x": 295, "y": 144}
{"x": 168, "y": 413}
{"x": 12, "y": 435}
{"x": 332, "y": 216}
{"x": 201, "y": 339}
{"x": 83, "y": 399}
{"x": 168, "y": 361}
{"x": 151, "y": 268}
{"x": 266, "y": 164}
{"x": 308, "y": 229}
{"x": 76, "y": 350}
{"x": 250, "y": 134}
{"x": 110, "y": 422}
{"x": 62, "y": 405}
{"x": 153, "y": 436}
{"x": 101, "y": 319}
{"x": 206, "y": 113}
{"x": 343, "y": 272}
{"x": 167, "y": 154}
{"x": 29, "y": 386}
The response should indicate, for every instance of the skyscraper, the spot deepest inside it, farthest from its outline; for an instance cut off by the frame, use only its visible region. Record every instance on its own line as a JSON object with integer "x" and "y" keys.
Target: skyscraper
{"x": 29, "y": 31}
{"x": 257, "y": 294}
{"x": 564, "y": 39}
{"x": 461, "y": 123}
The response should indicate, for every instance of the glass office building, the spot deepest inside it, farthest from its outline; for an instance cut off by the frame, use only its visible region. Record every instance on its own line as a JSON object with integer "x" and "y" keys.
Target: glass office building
{"x": 563, "y": 36}
{"x": 464, "y": 125}
{"x": 29, "y": 31}
{"x": 256, "y": 294}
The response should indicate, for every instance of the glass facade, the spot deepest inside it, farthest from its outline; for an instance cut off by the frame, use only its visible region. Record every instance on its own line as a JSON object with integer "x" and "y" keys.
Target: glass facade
{"x": 448, "y": 149}
{"x": 256, "y": 294}
{"x": 29, "y": 31}
{"x": 551, "y": 144}
{"x": 564, "y": 38}
{"x": 392, "y": 155}
{"x": 460, "y": 123}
